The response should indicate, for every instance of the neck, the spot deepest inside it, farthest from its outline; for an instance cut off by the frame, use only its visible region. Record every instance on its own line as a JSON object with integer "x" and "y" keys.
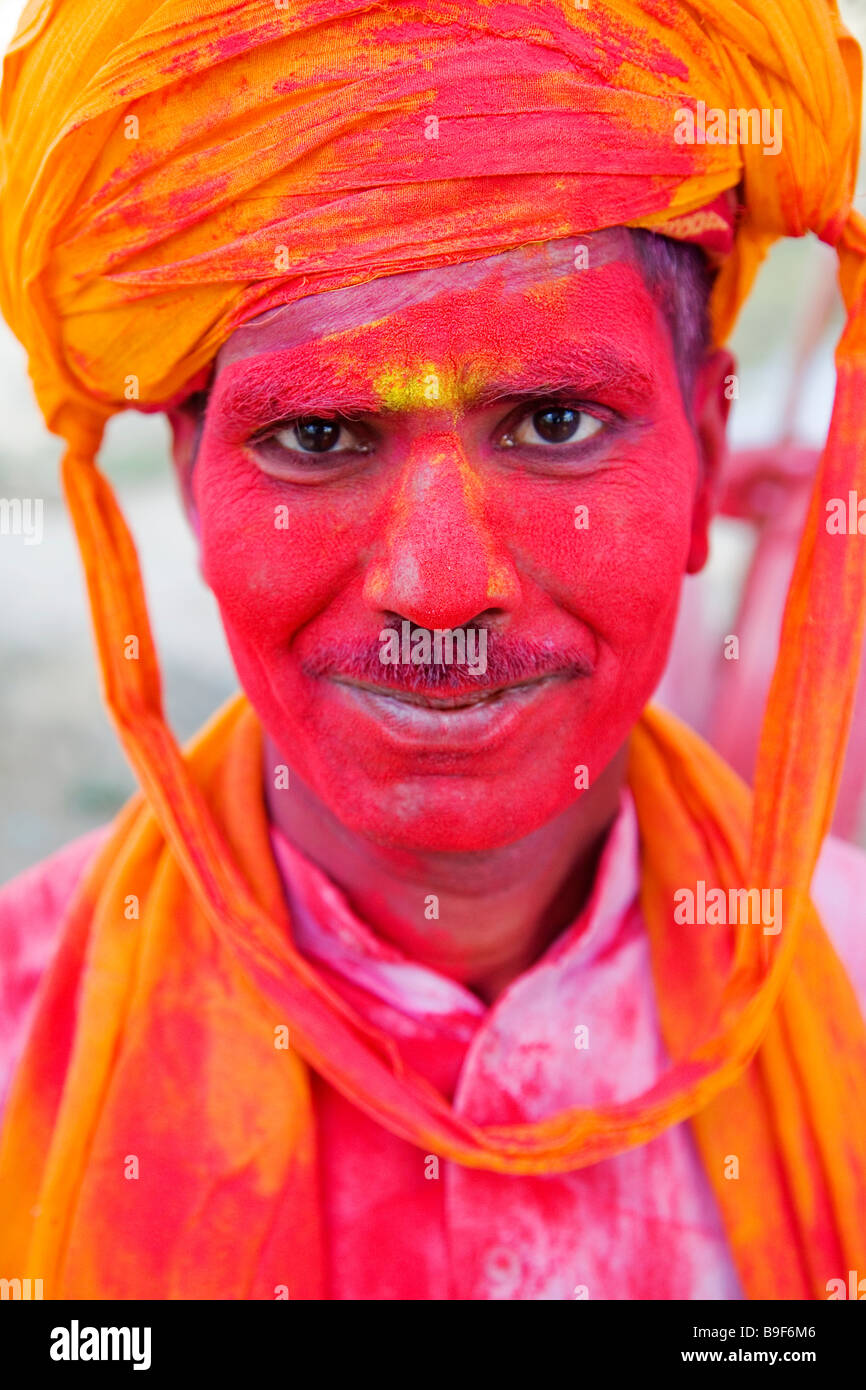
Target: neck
{"x": 482, "y": 917}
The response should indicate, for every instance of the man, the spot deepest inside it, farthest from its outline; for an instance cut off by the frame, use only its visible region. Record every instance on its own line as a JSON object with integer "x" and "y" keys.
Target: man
{"x": 405, "y": 981}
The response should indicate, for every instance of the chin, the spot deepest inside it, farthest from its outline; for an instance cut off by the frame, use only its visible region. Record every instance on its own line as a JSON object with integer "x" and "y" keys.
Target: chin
{"x": 449, "y": 815}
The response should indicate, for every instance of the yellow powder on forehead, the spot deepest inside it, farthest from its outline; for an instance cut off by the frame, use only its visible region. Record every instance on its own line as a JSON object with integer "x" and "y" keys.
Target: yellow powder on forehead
{"x": 554, "y": 294}
{"x": 399, "y": 389}
{"x": 434, "y": 385}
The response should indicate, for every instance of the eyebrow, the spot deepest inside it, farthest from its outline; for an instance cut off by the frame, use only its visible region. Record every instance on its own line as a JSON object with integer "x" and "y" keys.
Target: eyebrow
{"x": 597, "y": 369}
{"x": 259, "y": 390}
{"x": 262, "y": 390}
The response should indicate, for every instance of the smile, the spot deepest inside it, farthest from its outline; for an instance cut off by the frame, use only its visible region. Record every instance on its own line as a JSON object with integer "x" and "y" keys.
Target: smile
{"x": 451, "y": 703}
{"x": 464, "y": 722}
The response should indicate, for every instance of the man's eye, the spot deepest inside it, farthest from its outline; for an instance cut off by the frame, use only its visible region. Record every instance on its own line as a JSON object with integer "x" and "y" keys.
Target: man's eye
{"x": 313, "y": 434}
{"x": 553, "y": 424}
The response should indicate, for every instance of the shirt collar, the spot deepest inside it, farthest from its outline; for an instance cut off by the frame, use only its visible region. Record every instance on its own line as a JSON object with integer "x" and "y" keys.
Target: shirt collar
{"x": 326, "y": 929}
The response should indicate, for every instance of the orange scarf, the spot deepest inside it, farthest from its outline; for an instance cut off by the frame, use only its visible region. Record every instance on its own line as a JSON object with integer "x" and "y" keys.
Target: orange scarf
{"x": 194, "y": 164}
{"x": 160, "y": 1030}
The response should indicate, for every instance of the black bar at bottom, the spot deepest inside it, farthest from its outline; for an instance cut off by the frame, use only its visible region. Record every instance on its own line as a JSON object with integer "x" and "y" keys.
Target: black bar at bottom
{"x": 176, "y": 1338}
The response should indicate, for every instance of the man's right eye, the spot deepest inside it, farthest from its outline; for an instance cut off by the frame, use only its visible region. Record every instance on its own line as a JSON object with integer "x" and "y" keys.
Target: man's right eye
{"x": 315, "y": 434}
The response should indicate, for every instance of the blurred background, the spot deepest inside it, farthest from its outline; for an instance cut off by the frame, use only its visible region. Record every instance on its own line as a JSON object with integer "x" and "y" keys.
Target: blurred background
{"x": 61, "y": 770}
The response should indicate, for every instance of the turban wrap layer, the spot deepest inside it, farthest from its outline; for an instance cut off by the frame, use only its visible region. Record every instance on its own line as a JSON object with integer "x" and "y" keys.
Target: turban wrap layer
{"x": 171, "y": 170}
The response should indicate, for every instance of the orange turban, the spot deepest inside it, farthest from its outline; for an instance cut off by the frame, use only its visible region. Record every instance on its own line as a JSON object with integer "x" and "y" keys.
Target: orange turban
{"x": 171, "y": 168}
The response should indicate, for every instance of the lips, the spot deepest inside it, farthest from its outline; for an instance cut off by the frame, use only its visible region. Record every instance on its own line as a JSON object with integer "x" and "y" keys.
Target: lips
{"x": 427, "y": 711}
{"x": 455, "y": 725}
{"x": 459, "y": 701}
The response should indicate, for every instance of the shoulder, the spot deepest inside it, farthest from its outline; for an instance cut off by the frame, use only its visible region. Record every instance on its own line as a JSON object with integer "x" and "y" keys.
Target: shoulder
{"x": 32, "y": 906}
{"x": 839, "y": 894}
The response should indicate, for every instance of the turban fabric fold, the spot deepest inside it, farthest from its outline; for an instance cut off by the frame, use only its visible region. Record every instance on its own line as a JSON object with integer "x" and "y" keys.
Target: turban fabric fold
{"x": 170, "y": 170}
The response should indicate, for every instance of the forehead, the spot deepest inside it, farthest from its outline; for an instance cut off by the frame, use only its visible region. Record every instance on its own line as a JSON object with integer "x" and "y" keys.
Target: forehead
{"x": 510, "y": 299}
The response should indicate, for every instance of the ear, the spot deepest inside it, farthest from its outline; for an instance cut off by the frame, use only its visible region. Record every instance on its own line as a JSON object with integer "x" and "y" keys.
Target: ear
{"x": 186, "y": 421}
{"x": 711, "y": 404}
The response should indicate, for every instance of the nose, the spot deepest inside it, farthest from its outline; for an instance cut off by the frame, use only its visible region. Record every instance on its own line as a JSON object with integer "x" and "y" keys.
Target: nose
{"x": 438, "y": 563}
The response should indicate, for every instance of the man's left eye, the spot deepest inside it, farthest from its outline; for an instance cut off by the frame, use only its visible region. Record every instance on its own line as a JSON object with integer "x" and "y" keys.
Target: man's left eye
{"x": 553, "y": 424}
{"x": 313, "y": 434}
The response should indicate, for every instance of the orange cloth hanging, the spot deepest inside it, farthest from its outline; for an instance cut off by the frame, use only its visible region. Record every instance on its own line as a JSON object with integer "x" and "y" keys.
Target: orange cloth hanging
{"x": 155, "y": 1055}
{"x": 284, "y": 154}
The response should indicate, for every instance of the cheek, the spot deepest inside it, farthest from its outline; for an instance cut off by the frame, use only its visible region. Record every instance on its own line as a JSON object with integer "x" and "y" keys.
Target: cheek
{"x": 611, "y": 547}
{"x": 273, "y": 560}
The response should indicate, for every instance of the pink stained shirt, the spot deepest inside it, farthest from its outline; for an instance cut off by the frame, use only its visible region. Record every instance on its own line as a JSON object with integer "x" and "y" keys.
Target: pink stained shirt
{"x": 402, "y": 1224}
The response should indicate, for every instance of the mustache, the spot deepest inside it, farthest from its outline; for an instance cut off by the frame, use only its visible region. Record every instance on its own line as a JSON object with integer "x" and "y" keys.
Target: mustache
{"x": 509, "y": 661}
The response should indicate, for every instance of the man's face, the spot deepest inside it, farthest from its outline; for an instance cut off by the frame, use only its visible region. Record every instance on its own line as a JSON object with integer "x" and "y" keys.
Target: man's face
{"x": 502, "y": 446}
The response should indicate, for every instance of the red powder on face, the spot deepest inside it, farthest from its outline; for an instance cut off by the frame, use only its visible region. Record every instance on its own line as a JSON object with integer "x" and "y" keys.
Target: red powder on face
{"x": 440, "y": 525}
